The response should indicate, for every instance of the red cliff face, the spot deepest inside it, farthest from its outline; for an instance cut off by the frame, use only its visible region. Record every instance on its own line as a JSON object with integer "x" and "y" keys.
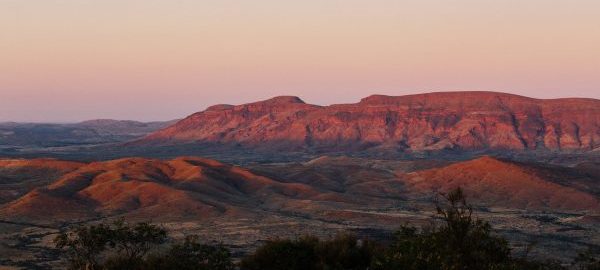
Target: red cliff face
{"x": 433, "y": 121}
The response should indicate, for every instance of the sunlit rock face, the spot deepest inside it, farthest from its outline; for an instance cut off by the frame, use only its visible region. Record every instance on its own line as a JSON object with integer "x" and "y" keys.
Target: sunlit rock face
{"x": 424, "y": 122}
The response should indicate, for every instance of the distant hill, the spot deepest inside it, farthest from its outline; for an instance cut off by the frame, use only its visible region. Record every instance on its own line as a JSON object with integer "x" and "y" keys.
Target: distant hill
{"x": 88, "y": 132}
{"x": 444, "y": 121}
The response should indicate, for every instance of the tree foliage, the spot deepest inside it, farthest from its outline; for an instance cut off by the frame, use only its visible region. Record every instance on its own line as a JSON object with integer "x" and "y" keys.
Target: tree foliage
{"x": 457, "y": 240}
{"x": 343, "y": 252}
{"x": 192, "y": 255}
{"x": 121, "y": 245}
{"x": 83, "y": 245}
{"x": 132, "y": 243}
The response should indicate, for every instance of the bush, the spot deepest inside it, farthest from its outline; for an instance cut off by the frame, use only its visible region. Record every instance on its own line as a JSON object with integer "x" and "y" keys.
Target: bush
{"x": 124, "y": 246}
{"x": 343, "y": 252}
{"x": 193, "y": 256}
{"x": 297, "y": 254}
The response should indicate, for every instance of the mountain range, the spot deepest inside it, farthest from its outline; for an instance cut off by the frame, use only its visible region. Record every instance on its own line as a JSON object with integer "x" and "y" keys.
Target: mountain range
{"x": 444, "y": 121}
{"x": 91, "y": 132}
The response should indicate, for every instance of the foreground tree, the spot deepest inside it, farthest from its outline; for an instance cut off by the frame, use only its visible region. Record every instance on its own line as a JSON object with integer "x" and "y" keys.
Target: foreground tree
{"x": 284, "y": 254}
{"x": 83, "y": 245}
{"x": 192, "y": 255}
{"x": 132, "y": 243}
{"x": 121, "y": 245}
{"x": 457, "y": 241}
{"x": 343, "y": 252}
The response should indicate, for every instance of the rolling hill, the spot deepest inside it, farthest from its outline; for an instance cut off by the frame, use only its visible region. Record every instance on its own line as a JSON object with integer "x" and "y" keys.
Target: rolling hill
{"x": 191, "y": 188}
{"x": 175, "y": 189}
{"x": 509, "y": 184}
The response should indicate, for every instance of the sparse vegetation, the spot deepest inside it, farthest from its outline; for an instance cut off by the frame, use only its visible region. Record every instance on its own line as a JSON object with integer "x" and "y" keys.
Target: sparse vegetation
{"x": 455, "y": 240}
{"x": 84, "y": 245}
{"x": 131, "y": 243}
{"x": 192, "y": 255}
{"x": 125, "y": 246}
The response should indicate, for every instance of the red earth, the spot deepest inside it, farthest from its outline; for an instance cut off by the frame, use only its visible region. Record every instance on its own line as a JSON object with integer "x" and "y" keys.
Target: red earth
{"x": 199, "y": 188}
{"x": 424, "y": 122}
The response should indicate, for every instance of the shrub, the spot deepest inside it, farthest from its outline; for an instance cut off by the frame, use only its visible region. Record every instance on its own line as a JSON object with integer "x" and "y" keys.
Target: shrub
{"x": 299, "y": 254}
{"x": 345, "y": 252}
{"x": 192, "y": 255}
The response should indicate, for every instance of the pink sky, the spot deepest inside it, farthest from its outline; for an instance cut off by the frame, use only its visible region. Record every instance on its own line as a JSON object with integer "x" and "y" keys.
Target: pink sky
{"x": 71, "y": 60}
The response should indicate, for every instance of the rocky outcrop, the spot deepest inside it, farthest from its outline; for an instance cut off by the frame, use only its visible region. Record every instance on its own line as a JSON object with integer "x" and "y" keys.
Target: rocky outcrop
{"x": 425, "y": 122}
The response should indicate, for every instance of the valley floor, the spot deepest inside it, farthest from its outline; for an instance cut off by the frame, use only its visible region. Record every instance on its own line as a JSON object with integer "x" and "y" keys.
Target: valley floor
{"x": 546, "y": 211}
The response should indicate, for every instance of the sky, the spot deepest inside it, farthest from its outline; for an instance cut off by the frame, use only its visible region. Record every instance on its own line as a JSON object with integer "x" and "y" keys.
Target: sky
{"x": 72, "y": 60}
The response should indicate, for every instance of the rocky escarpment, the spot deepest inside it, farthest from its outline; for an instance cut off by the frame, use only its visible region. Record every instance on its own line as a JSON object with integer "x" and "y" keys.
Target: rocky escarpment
{"x": 425, "y": 122}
